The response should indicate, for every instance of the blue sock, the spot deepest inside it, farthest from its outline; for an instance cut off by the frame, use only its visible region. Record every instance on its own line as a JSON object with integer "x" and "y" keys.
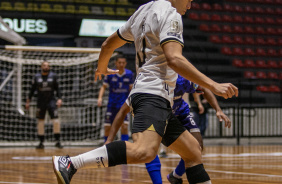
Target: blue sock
{"x": 105, "y": 138}
{"x": 154, "y": 170}
{"x": 124, "y": 137}
{"x": 180, "y": 169}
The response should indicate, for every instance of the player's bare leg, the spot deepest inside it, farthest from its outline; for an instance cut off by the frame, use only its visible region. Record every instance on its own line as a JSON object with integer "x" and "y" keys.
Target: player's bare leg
{"x": 189, "y": 149}
{"x": 143, "y": 149}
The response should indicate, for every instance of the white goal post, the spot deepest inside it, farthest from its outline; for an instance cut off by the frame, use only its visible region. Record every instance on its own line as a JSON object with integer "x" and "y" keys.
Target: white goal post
{"x": 75, "y": 67}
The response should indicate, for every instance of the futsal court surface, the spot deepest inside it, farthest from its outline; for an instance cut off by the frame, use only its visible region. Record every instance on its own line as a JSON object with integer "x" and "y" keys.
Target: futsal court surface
{"x": 225, "y": 165}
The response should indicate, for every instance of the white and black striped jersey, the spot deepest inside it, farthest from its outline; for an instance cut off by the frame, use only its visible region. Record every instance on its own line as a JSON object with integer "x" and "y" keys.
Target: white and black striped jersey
{"x": 152, "y": 25}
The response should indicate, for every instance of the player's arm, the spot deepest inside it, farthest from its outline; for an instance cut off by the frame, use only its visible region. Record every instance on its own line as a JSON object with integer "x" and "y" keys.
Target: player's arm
{"x": 118, "y": 121}
{"x": 214, "y": 103}
{"x": 101, "y": 93}
{"x": 175, "y": 59}
{"x": 107, "y": 49}
{"x": 197, "y": 99}
{"x": 31, "y": 93}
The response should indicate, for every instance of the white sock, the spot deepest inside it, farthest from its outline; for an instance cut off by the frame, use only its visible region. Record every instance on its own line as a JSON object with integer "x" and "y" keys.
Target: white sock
{"x": 93, "y": 159}
{"x": 176, "y": 175}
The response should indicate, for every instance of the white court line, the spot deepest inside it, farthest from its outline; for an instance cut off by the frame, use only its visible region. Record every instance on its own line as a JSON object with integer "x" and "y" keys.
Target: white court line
{"x": 217, "y": 171}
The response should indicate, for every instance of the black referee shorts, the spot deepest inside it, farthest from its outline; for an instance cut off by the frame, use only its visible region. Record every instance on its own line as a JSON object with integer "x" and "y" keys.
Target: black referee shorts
{"x": 152, "y": 112}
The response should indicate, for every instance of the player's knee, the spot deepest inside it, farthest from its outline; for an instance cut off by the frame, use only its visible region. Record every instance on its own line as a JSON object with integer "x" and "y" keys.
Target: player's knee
{"x": 145, "y": 155}
{"x": 195, "y": 158}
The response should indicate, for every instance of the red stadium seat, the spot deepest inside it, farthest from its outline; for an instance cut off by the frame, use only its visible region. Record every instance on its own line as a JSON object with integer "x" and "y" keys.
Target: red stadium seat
{"x": 262, "y": 88}
{"x": 278, "y": 10}
{"x": 249, "y": 40}
{"x": 260, "y": 41}
{"x": 260, "y": 30}
{"x": 238, "y": 8}
{"x": 238, "y": 40}
{"x": 204, "y": 27}
{"x": 272, "y": 64}
{"x": 195, "y": 6}
{"x": 279, "y": 41}
{"x": 217, "y": 7}
{"x": 261, "y": 64}
{"x": 249, "y": 75}
{"x": 280, "y": 52}
{"x": 280, "y": 76}
{"x": 248, "y": 9}
{"x": 280, "y": 64}
{"x": 278, "y": 20}
{"x": 248, "y": 19}
{"x": 237, "y": 51}
{"x": 274, "y": 89}
{"x": 206, "y": 6}
{"x": 193, "y": 16}
{"x": 228, "y": 7}
{"x": 249, "y": 52}
{"x": 238, "y": 18}
{"x": 238, "y": 29}
{"x": 215, "y": 28}
{"x": 215, "y": 39}
{"x": 271, "y": 41}
{"x": 238, "y": 63}
{"x": 227, "y": 18}
{"x": 226, "y": 50}
{"x": 226, "y": 39}
{"x": 269, "y": 10}
{"x": 249, "y": 29}
{"x": 249, "y": 63}
{"x": 205, "y": 16}
{"x": 215, "y": 17}
{"x": 261, "y": 75}
{"x": 279, "y": 31}
{"x": 272, "y": 52}
{"x": 271, "y": 30}
{"x": 269, "y": 20}
{"x": 260, "y": 10}
{"x": 259, "y": 20}
{"x": 227, "y": 29}
{"x": 272, "y": 75}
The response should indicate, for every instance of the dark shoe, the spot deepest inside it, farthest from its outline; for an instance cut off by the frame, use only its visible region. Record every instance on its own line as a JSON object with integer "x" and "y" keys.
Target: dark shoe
{"x": 163, "y": 154}
{"x": 40, "y": 146}
{"x": 58, "y": 145}
{"x": 63, "y": 168}
{"x": 174, "y": 180}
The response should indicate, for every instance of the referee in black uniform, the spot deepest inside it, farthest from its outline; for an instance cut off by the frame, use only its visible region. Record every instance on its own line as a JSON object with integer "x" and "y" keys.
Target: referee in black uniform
{"x": 45, "y": 83}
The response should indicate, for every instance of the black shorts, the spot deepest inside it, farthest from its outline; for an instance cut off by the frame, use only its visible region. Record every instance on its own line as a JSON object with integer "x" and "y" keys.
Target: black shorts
{"x": 152, "y": 112}
{"x": 51, "y": 107}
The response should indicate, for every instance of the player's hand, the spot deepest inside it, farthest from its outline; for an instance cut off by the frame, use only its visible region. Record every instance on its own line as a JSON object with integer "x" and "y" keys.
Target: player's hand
{"x": 222, "y": 117}
{"x": 59, "y": 103}
{"x": 99, "y": 102}
{"x": 98, "y": 73}
{"x": 201, "y": 108}
{"x": 226, "y": 90}
{"x": 27, "y": 105}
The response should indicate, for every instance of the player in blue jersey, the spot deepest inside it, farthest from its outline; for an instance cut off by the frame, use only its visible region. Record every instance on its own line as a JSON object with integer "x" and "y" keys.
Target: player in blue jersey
{"x": 182, "y": 113}
{"x": 119, "y": 86}
{"x": 45, "y": 83}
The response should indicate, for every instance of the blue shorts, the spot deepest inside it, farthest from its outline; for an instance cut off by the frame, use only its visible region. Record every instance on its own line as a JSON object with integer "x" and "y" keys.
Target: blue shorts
{"x": 111, "y": 114}
{"x": 189, "y": 123}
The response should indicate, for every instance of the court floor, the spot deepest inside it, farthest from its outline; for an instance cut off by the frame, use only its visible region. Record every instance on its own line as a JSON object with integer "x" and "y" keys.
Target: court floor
{"x": 225, "y": 165}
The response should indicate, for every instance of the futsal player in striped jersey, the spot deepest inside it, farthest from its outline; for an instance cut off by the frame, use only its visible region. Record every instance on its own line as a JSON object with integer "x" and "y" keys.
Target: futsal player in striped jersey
{"x": 156, "y": 30}
{"x": 182, "y": 112}
{"x": 119, "y": 86}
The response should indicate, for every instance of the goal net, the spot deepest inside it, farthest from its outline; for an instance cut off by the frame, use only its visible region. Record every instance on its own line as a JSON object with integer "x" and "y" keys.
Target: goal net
{"x": 80, "y": 117}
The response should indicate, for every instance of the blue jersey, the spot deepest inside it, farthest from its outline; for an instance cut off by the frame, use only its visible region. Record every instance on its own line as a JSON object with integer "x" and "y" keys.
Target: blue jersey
{"x": 118, "y": 87}
{"x": 180, "y": 107}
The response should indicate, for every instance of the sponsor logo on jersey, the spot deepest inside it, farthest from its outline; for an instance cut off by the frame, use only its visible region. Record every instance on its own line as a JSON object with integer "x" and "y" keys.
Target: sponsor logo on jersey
{"x": 114, "y": 79}
{"x": 174, "y": 34}
{"x": 174, "y": 26}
